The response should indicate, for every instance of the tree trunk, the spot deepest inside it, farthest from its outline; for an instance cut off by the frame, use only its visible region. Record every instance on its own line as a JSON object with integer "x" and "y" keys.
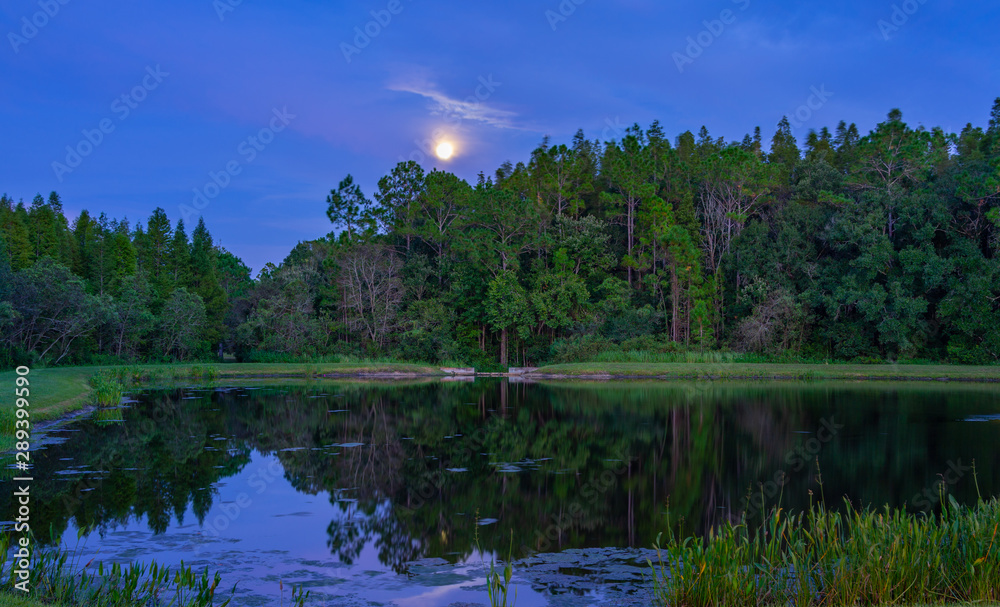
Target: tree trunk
{"x": 675, "y": 302}
{"x": 503, "y": 347}
{"x": 629, "y": 243}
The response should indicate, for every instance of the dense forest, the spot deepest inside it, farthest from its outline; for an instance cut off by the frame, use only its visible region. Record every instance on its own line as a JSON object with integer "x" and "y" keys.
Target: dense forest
{"x": 880, "y": 247}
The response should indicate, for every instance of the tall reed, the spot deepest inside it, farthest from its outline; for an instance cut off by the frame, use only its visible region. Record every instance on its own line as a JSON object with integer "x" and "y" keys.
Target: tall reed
{"x": 820, "y": 557}
{"x": 108, "y": 388}
{"x": 56, "y": 576}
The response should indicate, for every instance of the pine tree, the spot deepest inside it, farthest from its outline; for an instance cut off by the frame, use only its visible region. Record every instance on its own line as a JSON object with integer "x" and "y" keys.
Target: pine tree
{"x": 845, "y": 143}
{"x": 154, "y": 254}
{"x": 784, "y": 154}
{"x": 65, "y": 241}
{"x": 46, "y": 227}
{"x": 15, "y": 232}
{"x": 99, "y": 258}
{"x": 993, "y": 132}
{"x": 179, "y": 257}
{"x": 82, "y": 231}
{"x": 124, "y": 254}
{"x": 6, "y": 274}
{"x": 205, "y": 282}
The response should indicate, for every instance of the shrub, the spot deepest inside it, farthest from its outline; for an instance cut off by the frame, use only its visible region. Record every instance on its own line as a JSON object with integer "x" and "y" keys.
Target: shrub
{"x": 580, "y": 348}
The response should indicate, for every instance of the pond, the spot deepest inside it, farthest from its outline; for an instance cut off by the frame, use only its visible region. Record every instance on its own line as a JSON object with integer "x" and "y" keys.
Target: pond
{"x": 400, "y": 493}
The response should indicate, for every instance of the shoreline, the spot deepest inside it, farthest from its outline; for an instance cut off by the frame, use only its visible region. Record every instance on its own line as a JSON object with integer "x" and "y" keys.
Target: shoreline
{"x": 61, "y": 391}
{"x": 766, "y": 372}
{"x": 740, "y": 377}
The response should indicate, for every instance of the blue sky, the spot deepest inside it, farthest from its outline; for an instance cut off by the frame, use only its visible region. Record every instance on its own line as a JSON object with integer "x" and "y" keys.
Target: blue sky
{"x": 261, "y": 95}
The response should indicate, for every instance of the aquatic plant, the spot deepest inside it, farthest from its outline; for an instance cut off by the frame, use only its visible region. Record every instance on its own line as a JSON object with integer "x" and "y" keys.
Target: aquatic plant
{"x": 497, "y": 587}
{"x": 108, "y": 388}
{"x": 821, "y": 557}
{"x": 57, "y": 576}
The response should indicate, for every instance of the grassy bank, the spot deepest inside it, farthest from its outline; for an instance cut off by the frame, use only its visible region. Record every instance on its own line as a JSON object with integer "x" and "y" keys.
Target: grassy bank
{"x": 56, "y": 392}
{"x": 770, "y": 371}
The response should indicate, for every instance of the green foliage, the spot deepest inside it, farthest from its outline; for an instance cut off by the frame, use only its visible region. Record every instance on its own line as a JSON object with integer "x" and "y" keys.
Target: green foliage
{"x": 579, "y": 348}
{"x": 13, "y": 226}
{"x": 59, "y": 577}
{"x": 632, "y": 323}
{"x": 819, "y": 557}
{"x": 498, "y": 587}
{"x": 281, "y": 319}
{"x": 882, "y": 246}
{"x": 346, "y": 208}
{"x": 180, "y": 325}
{"x": 53, "y": 311}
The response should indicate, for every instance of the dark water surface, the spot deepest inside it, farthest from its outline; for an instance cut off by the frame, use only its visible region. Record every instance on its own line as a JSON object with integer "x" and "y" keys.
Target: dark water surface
{"x": 374, "y": 494}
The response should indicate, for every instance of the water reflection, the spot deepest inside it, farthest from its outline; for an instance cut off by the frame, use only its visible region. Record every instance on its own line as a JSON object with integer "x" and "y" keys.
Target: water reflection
{"x": 414, "y": 471}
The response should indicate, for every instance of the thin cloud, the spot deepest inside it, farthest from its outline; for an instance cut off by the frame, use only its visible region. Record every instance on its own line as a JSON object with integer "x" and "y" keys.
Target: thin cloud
{"x": 473, "y": 107}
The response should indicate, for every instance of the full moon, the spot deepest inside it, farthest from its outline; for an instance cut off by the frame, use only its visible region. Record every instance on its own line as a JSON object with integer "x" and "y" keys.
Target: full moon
{"x": 444, "y": 150}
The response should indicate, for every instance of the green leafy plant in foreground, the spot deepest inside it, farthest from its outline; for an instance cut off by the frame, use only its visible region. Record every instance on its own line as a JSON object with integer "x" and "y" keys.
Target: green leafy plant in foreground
{"x": 819, "y": 557}
{"x": 56, "y": 576}
{"x": 497, "y": 587}
{"x": 108, "y": 389}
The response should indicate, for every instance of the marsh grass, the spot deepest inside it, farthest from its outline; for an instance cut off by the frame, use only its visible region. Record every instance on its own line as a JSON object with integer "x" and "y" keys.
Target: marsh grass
{"x": 207, "y": 373}
{"x": 108, "y": 389}
{"x": 690, "y": 357}
{"x": 58, "y": 577}
{"x": 109, "y": 415}
{"x": 109, "y": 385}
{"x": 820, "y": 557}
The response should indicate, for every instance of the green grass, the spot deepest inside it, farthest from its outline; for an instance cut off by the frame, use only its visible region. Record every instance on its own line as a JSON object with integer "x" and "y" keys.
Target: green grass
{"x": 13, "y": 600}
{"x": 724, "y": 370}
{"x": 819, "y": 557}
{"x": 55, "y": 392}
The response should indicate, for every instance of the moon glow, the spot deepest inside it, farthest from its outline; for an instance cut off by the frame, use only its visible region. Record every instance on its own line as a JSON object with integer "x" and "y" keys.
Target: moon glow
{"x": 445, "y": 150}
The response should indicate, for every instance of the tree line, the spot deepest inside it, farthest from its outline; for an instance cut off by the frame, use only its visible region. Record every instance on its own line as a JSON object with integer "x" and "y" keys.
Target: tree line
{"x": 100, "y": 290}
{"x": 840, "y": 247}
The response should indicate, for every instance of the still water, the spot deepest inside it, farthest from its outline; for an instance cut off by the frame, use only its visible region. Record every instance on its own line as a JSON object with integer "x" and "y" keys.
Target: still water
{"x": 399, "y": 493}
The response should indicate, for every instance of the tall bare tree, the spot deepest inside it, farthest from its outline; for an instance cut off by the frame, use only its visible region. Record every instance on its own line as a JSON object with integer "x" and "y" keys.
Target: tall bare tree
{"x": 373, "y": 290}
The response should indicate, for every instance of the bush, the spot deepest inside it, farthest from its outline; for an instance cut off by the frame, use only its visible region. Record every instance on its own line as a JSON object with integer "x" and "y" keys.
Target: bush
{"x": 962, "y": 353}
{"x": 632, "y": 323}
{"x": 580, "y": 348}
{"x": 657, "y": 344}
